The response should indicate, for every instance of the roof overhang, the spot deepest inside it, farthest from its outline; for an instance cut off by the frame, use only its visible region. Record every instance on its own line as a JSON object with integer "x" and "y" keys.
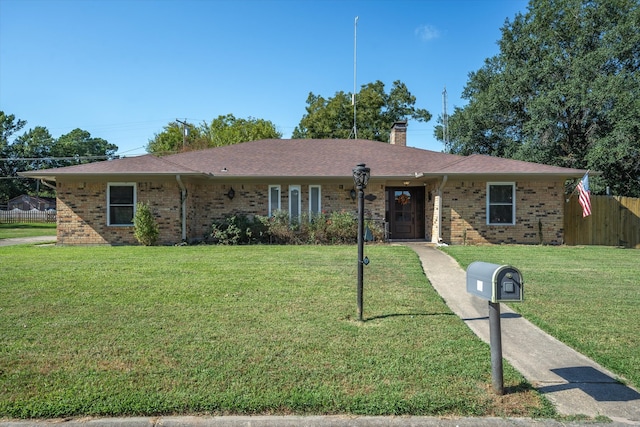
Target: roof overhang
{"x": 421, "y": 177}
{"x": 507, "y": 175}
{"x": 93, "y": 177}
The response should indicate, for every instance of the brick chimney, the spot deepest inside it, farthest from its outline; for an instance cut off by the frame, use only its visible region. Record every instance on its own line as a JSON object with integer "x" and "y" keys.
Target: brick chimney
{"x": 398, "y": 134}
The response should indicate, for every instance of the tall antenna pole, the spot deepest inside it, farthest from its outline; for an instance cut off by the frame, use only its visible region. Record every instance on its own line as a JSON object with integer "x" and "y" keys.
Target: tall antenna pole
{"x": 445, "y": 118}
{"x": 353, "y": 96}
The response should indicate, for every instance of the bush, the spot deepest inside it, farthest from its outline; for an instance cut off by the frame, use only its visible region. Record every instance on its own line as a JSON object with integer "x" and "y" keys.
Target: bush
{"x": 321, "y": 229}
{"x": 342, "y": 227}
{"x": 239, "y": 230}
{"x": 145, "y": 227}
{"x": 280, "y": 228}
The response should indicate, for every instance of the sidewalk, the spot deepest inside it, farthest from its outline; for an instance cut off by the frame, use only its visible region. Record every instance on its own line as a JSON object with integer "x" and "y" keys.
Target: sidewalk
{"x": 27, "y": 240}
{"x": 571, "y": 381}
{"x": 300, "y": 421}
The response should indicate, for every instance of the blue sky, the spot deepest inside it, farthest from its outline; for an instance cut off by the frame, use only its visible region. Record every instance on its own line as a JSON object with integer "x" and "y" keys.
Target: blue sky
{"x": 124, "y": 69}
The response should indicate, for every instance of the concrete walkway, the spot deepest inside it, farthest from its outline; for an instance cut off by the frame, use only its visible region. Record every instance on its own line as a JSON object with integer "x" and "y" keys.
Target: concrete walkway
{"x": 572, "y": 382}
{"x": 300, "y": 421}
{"x": 27, "y": 240}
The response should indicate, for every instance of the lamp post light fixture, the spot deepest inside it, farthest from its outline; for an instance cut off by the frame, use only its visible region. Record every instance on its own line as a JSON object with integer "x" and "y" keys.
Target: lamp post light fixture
{"x": 361, "y": 175}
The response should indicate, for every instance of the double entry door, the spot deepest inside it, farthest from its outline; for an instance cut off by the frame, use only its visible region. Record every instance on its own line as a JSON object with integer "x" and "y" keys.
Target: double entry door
{"x": 405, "y": 213}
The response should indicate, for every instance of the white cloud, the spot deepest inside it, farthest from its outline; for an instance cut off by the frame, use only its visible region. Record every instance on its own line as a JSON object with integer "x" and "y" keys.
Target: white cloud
{"x": 427, "y": 33}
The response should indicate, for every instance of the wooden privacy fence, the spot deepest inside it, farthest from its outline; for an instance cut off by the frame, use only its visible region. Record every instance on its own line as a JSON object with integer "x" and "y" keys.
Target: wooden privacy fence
{"x": 614, "y": 221}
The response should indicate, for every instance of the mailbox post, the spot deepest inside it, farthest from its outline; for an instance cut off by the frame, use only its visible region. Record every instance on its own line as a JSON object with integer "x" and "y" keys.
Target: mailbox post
{"x": 495, "y": 283}
{"x": 495, "y": 342}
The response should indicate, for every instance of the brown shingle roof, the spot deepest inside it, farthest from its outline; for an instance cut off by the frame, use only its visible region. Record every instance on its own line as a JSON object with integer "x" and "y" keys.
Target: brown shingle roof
{"x": 309, "y": 158}
{"x": 147, "y": 164}
{"x": 481, "y": 164}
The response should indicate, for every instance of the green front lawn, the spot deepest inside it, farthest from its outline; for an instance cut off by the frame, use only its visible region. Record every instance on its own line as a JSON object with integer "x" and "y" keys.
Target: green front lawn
{"x": 587, "y": 297}
{"x": 236, "y": 330}
{"x": 27, "y": 230}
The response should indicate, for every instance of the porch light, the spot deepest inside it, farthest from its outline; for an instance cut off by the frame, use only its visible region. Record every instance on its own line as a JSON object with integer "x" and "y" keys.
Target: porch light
{"x": 361, "y": 176}
{"x": 352, "y": 193}
{"x": 231, "y": 193}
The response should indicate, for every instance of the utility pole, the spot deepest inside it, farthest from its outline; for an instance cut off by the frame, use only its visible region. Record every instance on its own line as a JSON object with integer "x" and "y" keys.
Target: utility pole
{"x": 185, "y": 131}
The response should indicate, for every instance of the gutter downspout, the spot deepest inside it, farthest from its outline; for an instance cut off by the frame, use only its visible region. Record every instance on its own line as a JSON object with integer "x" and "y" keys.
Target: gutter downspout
{"x": 183, "y": 207}
{"x": 45, "y": 183}
{"x": 438, "y": 236}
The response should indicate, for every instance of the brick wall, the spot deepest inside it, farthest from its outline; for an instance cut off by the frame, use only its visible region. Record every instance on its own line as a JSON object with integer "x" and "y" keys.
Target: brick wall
{"x": 82, "y": 210}
{"x": 82, "y": 213}
{"x": 538, "y": 204}
{"x": 208, "y": 202}
{"x": 164, "y": 201}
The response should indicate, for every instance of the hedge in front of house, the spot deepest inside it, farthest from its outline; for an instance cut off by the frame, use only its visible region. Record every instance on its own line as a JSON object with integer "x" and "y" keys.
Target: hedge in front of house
{"x": 321, "y": 229}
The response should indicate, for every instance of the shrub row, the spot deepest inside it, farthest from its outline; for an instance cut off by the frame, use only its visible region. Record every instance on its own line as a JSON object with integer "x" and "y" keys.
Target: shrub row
{"x": 321, "y": 229}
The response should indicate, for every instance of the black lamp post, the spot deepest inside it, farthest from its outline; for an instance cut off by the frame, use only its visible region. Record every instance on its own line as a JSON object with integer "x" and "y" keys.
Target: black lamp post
{"x": 361, "y": 176}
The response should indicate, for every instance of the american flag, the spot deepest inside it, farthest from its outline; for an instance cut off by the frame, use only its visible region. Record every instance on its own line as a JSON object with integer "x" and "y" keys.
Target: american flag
{"x": 584, "y": 195}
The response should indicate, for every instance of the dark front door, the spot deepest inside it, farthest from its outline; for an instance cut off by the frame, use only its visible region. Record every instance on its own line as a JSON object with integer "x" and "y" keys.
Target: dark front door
{"x": 406, "y": 212}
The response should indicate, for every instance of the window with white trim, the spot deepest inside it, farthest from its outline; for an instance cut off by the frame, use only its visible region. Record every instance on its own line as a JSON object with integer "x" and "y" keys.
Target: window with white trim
{"x": 121, "y": 203}
{"x": 315, "y": 203}
{"x": 294, "y": 203}
{"x": 274, "y": 199}
{"x": 501, "y": 205}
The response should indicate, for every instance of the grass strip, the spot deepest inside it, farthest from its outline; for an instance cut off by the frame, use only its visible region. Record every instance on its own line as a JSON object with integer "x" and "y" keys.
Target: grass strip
{"x": 27, "y": 230}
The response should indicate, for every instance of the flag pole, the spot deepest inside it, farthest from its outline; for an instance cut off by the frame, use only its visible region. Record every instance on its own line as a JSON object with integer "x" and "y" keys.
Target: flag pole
{"x": 576, "y": 187}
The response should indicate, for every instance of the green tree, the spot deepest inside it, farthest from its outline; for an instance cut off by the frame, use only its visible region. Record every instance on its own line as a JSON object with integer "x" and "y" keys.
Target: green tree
{"x": 83, "y": 147}
{"x": 29, "y": 151}
{"x": 223, "y": 130}
{"x": 563, "y": 90}
{"x": 172, "y": 139}
{"x": 37, "y": 149}
{"x": 376, "y": 111}
{"x": 228, "y": 130}
{"x": 8, "y": 126}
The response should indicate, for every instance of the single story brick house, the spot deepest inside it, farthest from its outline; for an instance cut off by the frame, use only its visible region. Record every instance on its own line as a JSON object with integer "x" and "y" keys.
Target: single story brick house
{"x": 419, "y": 194}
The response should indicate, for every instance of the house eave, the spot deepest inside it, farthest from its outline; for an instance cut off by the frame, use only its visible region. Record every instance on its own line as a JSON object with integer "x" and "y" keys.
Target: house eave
{"x": 415, "y": 176}
{"x": 506, "y": 175}
{"x": 114, "y": 176}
